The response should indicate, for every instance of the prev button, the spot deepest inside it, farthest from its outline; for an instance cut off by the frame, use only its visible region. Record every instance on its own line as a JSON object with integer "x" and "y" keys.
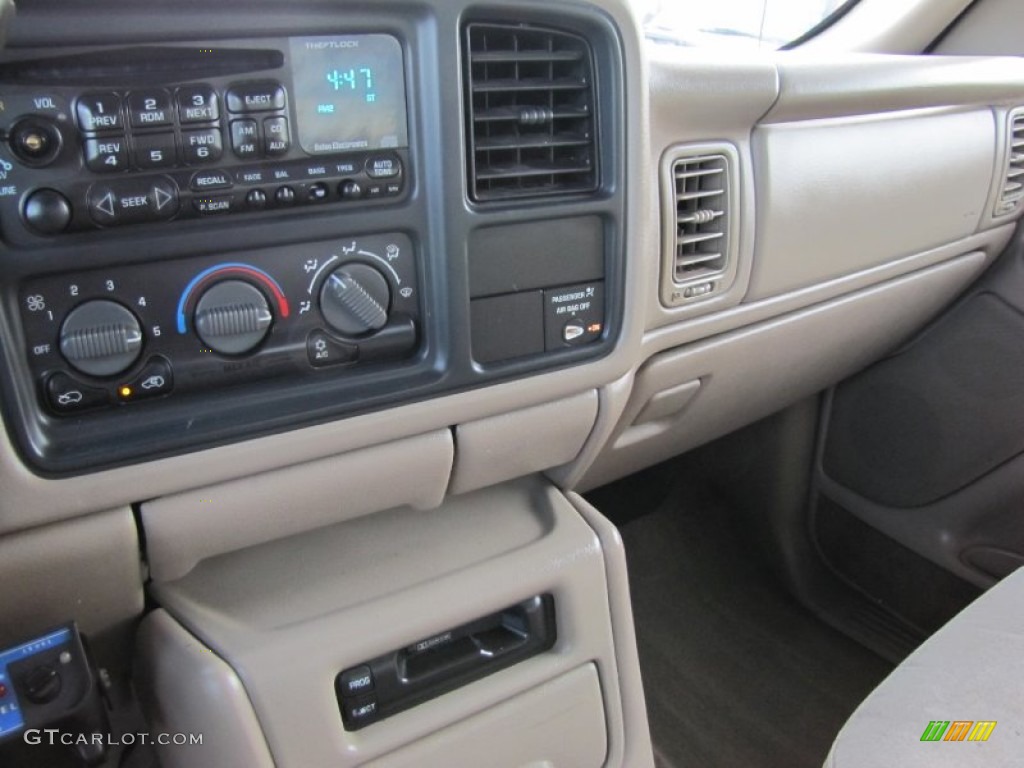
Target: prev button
{"x": 131, "y": 201}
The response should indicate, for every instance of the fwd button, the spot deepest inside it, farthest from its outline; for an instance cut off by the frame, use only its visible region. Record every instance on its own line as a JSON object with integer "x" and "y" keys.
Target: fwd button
{"x": 131, "y": 201}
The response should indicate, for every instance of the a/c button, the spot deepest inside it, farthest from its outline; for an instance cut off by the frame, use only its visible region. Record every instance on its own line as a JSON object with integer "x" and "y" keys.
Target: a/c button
{"x": 324, "y": 351}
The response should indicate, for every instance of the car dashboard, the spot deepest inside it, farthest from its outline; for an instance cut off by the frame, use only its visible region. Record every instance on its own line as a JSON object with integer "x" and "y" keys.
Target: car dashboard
{"x": 318, "y": 317}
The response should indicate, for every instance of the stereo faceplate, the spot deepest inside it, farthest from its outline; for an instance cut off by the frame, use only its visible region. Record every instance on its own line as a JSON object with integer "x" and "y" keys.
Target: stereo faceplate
{"x": 155, "y": 134}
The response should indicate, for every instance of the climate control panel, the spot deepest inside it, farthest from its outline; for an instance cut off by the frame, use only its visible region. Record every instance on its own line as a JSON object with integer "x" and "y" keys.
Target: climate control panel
{"x": 102, "y": 339}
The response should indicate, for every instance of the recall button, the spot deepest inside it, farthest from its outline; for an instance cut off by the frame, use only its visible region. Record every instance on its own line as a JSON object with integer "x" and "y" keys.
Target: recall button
{"x": 203, "y": 181}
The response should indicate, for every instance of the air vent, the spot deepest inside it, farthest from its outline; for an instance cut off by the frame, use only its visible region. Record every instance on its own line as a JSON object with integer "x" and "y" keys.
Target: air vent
{"x": 1012, "y": 192}
{"x": 702, "y": 237}
{"x": 700, "y": 228}
{"x": 530, "y": 106}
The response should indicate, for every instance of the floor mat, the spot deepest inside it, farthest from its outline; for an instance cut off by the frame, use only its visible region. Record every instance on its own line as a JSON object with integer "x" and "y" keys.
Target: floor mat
{"x": 736, "y": 673}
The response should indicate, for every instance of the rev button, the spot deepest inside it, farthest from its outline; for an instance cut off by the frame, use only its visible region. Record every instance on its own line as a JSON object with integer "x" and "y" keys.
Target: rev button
{"x": 133, "y": 200}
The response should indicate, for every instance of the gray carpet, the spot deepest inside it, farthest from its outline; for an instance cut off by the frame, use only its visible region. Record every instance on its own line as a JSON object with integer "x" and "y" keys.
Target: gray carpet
{"x": 736, "y": 673}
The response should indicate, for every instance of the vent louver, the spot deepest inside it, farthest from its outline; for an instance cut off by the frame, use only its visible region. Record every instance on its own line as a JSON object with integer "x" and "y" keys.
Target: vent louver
{"x": 702, "y": 224}
{"x": 1013, "y": 186}
{"x": 530, "y": 105}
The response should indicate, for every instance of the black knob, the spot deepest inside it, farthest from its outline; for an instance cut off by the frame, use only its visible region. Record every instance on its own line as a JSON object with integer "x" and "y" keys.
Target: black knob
{"x": 35, "y": 141}
{"x": 101, "y": 338}
{"x": 47, "y": 211}
{"x": 355, "y": 299}
{"x": 42, "y": 685}
{"x": 232, "y": 317}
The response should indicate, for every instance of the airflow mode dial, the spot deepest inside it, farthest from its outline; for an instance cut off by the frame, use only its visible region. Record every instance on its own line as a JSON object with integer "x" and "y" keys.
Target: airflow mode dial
{"x": 355, "y": 299}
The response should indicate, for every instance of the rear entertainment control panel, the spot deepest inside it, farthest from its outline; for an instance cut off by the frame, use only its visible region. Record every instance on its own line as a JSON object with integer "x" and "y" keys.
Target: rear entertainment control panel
{"x": 154, "y": 134}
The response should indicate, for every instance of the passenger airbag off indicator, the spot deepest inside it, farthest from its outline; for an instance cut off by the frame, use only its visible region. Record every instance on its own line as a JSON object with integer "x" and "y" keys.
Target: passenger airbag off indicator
{"x": 573, "y": 315}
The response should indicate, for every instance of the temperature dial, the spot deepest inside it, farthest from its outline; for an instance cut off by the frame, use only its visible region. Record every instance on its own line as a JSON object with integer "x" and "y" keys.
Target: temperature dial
{"x": 101, "y": 338}
{"x": 232, "y": 317}
{"x": 355, "y": 299}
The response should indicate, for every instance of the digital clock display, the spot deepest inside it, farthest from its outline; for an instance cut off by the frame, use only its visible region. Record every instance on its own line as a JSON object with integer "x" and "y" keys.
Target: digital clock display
{"x": 349, "y": 93}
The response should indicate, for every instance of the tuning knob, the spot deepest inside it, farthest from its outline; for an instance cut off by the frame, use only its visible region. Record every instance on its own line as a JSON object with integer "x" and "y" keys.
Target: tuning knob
{"x": 101, "y": 338}
{"x": 232, "y": 317}
{"x": 355, "y": 299}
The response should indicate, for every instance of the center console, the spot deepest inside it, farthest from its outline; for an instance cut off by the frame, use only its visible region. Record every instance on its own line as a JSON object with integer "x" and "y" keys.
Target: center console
{"x": 219, "y": 238}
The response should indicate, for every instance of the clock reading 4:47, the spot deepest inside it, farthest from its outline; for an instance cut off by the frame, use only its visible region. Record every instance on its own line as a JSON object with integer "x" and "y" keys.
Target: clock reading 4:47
{"x": 353, "y": 79}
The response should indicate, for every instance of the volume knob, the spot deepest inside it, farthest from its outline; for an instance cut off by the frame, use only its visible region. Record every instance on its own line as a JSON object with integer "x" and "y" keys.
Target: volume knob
{"x": 355, "y": 299}
{"x": 101, "y": 338}
{"x": 232, "y": 317}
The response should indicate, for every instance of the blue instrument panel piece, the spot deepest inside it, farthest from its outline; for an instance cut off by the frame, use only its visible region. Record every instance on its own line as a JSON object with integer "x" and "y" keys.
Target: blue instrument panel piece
{"x": 11, "y": 718}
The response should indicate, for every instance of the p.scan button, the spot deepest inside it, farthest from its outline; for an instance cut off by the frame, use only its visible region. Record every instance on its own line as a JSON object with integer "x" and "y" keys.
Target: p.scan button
{"x": 131, "y": 201}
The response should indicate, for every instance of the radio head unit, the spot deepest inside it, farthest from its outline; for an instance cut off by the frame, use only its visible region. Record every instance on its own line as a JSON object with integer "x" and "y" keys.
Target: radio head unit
{"x": 154, "y": 134}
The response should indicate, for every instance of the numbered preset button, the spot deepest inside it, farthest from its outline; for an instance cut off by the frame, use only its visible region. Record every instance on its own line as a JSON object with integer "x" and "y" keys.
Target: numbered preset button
{"x": 99, "y": 111}
{"x": 150, "y": 108}
{"x": 197, "y": 104}
{"x": 155, "y": 150}
{"x": 201, "y": 147}
{"x": 106, "y": 155}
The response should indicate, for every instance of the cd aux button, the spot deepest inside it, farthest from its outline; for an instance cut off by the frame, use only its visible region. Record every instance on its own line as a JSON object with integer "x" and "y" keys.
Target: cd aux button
{"x": 276, "y": 139}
